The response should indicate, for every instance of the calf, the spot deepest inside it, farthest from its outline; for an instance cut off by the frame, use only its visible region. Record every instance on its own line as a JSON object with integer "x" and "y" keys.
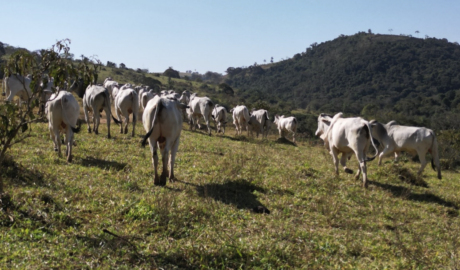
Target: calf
{"x": 219, "y": 114}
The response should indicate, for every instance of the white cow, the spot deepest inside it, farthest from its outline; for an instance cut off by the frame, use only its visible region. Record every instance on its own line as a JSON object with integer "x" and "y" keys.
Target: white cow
{"x": 163, "y": 123}
{"x": 63, "y": 112}
{"x": 241, "y": 118}
{"x": 126, "y": 103}
{"x": 286, "y": 124}
{"x": 260, "y": 122}
{"x": 200, "y": 107}
{"x": 185, "y": 99}
{"x": 413, "y": 140}
{"x": 95, "y": 99}
{"x": 110, "y": 84}
{"x": 17, "y": 85}
{"x": 219, "y": 114}
{"x": 346, "y": 136}
{"x": 145, "y": 97}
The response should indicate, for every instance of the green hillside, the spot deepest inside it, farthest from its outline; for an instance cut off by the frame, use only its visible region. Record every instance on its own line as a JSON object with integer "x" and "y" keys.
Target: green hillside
{"x": 102, "y": 211}
{"x": 390, "y": 77}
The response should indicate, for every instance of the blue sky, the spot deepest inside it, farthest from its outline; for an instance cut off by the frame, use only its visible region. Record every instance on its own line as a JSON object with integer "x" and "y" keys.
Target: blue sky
{"x": 212, "y": 35}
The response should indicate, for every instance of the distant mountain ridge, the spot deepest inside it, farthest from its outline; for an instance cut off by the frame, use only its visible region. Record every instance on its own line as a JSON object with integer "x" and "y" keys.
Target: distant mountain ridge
{"x": 365, "y": 71}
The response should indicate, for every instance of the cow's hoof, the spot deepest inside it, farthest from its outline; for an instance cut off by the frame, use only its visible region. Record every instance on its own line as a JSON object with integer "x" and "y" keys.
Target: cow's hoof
{"x": 348, "y": 171}
{"x": 55, "y": 149}
{"x": 365, "y": 185}
{"x": 69, "y": 158}
{"x": 96, "y": 132}
{"x": 89, "y": 130}
{"x": 108, "y": 136}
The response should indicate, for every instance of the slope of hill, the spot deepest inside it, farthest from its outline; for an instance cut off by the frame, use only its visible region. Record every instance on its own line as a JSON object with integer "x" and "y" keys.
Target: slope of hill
{"x": 405, "y": 75}
{"x": 102, "y": 210}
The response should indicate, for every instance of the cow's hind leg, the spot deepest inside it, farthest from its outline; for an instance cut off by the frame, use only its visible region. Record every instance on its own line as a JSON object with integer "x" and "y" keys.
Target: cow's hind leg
{"x": 68, "y": 143}
{"x": 422, "y": 156}
{"x": 360, "y": 156}
{"x": 165, "y": 159}
{"x": 97, "y": 121}
{"x": 343, "y": 162}
{"x": 85, "y": 110}
{"x": 172, "y": 160}
{"x": 153, "y": 150}
{"x": 334, "y": 153}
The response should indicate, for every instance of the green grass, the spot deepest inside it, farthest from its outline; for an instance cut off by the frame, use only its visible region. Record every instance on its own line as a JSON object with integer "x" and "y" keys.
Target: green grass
{"x": 102, "y": 210}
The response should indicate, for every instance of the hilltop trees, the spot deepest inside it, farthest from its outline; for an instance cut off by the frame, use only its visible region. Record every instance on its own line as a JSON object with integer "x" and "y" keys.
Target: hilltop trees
{"x": 171, "y": 73}
{"x": 15, "y": 119}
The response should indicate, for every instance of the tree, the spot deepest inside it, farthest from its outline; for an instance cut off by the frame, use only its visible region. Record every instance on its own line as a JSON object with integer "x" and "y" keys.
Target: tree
{"x": 15, "y": 120}
{"x": 171, "y": 73}
{"x": 271, "y": 60}
{"x": 123, "y": 66}
{"x": 417, "y": 32}
{"x": 390, "y": 30}
{"x": 226, "y": 89}
{"x": 111, "y": 64}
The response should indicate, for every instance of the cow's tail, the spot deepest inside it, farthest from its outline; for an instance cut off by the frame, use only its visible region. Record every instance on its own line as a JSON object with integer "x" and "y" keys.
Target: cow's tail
{"x": 65, "y": 119}
{"x": 372, "y": 142}
{"x": 157, "y": 110}
{"x": 246, "y": 115}
{"x": 435, "y": 163}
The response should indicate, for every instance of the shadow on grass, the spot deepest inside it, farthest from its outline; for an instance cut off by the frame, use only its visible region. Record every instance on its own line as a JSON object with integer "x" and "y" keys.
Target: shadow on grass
{"x": 405, "y": 193}
{"x": 103, "y": 164}
{"x": 16, "y": 174}
{"x": 285, "y": 141}
{"x": 238, "y": 193}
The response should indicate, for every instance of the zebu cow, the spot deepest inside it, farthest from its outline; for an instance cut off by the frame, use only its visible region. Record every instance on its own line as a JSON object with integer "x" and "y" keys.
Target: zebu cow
{"x": 286, "y": 124}
{"x": 63, "y": 112}
{"x": 17, "y": 85}
{"x": 145, "y": 97}
{"x": 219, "y": 114}
{"x": 260, "y": 122}
{"x": 127, "y": 102}
{"x": 95, "y": 99}
{"x": 346, "y": 136}
{"x": 200, "y": 107}
{"x": 414, "y": 140}
{"x": 163, "y": 123}
{"x": 240, "y": 118}
{"x": 110, "y": 84}
{"x": 185, "y": 99}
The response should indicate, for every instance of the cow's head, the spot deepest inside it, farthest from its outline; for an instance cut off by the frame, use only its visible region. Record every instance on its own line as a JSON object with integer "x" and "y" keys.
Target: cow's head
{"x": 324, "y": 121}
{"x": 79, "y": 87}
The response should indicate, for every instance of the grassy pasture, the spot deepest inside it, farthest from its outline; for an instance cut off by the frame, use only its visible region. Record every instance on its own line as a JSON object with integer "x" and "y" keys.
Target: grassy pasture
{"x": 102, "y": 210}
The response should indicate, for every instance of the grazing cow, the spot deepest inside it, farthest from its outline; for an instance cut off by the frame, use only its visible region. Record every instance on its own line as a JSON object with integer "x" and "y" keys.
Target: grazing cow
{"x": 346, "y": 136}
{"x": 17, "y": 85}
{"x": 95, "y": 99}
{"x": 260, "y": 122}
{"x": 163, "y": 123}
{"x": 127, "y": 102}
{"x": 413, "y": 140}
{"x": 285, "y": 124}
{"x": 240, "y": 118}
{"x": 63, "y": 112}
{"x": 200, "y": 107}
{"x": 145, "y": 97}
{"x": 219, "y": 114}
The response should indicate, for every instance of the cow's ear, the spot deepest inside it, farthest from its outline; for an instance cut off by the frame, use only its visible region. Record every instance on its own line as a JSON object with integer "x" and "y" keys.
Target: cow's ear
{"x": 326, "y": 121}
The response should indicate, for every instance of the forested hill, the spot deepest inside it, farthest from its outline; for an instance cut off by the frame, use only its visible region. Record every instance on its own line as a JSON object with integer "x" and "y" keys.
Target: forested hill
{"x": 378, "y": 73}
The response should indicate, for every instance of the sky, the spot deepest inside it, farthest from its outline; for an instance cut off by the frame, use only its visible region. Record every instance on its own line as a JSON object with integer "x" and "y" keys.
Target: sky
{"x": 212, "y": 35}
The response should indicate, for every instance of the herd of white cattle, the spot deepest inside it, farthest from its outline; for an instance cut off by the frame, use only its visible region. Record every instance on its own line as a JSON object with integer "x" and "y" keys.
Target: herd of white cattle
{"x": 163, "y": 114}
